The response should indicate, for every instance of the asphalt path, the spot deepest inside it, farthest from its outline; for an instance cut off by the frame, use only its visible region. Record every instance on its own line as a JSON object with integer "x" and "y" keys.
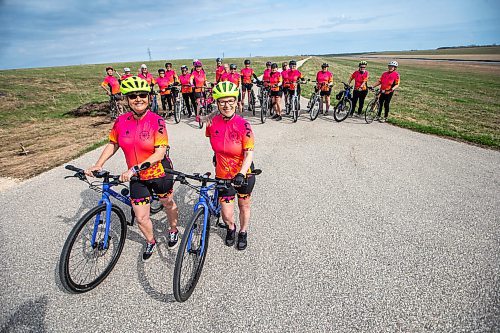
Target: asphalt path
{"x": 355, "y": 228}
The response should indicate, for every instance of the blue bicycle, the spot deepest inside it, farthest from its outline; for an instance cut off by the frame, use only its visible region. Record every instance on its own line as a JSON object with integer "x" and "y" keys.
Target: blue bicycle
{"x": 194, "y": 243}
{"x": 343, "y": 107}
{"x": 96, "y": 241}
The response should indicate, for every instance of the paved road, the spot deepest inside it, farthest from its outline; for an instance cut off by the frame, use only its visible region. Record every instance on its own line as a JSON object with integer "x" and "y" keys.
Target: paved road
{"x": 355, "y": 228}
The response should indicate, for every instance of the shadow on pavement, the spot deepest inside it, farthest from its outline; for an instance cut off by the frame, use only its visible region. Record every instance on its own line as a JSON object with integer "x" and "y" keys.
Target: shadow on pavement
{"x": 29, "y": 317}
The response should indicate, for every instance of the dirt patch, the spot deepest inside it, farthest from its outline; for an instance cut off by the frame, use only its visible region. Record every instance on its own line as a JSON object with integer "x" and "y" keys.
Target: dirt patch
{"x": 90, "y": 109}
{"x": 49, "y": 143}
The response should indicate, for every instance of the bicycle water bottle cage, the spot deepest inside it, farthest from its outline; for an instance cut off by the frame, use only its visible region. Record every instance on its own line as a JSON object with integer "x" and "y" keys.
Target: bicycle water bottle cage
{"x": 125, "y": 191}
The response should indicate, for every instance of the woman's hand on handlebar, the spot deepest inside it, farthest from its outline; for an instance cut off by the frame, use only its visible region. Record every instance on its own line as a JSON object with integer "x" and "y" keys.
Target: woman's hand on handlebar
{"x": 90, "y": 171}
{"x": 125, "y": 176}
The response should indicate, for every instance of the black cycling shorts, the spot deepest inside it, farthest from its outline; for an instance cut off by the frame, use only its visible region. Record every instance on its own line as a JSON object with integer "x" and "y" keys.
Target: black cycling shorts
{"x": 326, "y": 93}
{"x": 278, "y": 93}
{"x": 198, "y": 94}
{"x": 142, "y": 190}
{"x": 228, "y": 195}
{"x": 246, "y": 86}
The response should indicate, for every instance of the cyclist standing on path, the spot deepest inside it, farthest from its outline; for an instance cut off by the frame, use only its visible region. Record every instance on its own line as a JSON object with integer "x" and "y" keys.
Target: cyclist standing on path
{"x": 232, "y": 140}
{"x": 110, "y": 83}
{"x": 324, "y": 83}
{"x": 294, "y": 76}
{"x": 145, "y": 75}
{"x": 275, "y": 83}
{"x": 198, "y": 80}
{"x": 142, "y": 136}
{"x": 126, "y": 74}
{"x": 187, "y": 90}
{"x": 286, "y": 83}
{"x": 247, "y": 74}
{"x": 172, "y": 79}
{"x": 267, "y": 71}
{"x": 163, "y": 83}
{"x": 360, "y": 78}
{"x": 235, "y": 78}
{"x": 388, "y": 82}
{"x": 219, "y": 69}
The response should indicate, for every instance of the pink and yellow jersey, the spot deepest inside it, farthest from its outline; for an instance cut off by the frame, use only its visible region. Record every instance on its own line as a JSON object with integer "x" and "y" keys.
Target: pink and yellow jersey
{"x": 198, "y": 79}
{"x": 246, "y": 74}
{"x": 218, "y": 72}
{"x": 388, "y": 80}
{"x": 138, "y": 140}
{"x": 185, "y": 83}
{"x": 232, "y": 77}
{"x": 293, "y": 76}
{"x": 124, "y": 76}
{"x": 148, "y": 77}
{"x": 172, "y": 77}
{"x": 265, "y": 76}
{"x": 286, "y": 83}
{"x": 360, "y": 79}
{"x": 111, "y": 81}
{"x": 323, "y": 79}
{"x": 229, "y": 139}
{"x": 274, "y": 80}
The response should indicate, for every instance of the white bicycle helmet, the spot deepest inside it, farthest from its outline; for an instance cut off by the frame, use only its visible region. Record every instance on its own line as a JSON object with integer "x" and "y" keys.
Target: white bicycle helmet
{"x": 393, "y": 63}
{"x": 143, "y": 66}
{"x": 126, "y": 69}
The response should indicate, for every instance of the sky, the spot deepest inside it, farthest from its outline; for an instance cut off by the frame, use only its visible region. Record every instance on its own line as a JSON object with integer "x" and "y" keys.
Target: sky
{"x": 44, "y": 33}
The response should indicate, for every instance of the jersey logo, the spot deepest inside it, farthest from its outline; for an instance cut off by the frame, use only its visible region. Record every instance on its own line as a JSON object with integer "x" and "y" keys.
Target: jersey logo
{"x": 144, "y": 135}
{"x": 249, "y": 130}
{"x": 161, "y": 125}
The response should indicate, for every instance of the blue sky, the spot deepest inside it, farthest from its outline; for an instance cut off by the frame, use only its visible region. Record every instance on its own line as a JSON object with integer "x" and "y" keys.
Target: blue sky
{"x": 38, "y": 33}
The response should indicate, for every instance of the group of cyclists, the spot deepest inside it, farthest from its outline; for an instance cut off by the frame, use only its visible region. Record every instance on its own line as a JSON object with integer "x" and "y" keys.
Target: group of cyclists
{"x": 142, "y": 134}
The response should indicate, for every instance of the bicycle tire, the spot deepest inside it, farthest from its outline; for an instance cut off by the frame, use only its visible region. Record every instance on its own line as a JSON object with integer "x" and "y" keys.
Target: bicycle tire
{"x": 294, "y": 109}
{"x": 193, "y": 233}
{"x": 314, "y": 108}
{"x": 155, "y": 206}
{"x": 342, "y": 110}
{"x": 113, "y": 110}
{"x": 94, "y": 253}
{"x": 177, "y": 112}
{"x": 154, "y": 105}
{"x": 371, "y": 111}
{"x": 263, "y": 111}
{"x": 252, "y": 102}
{"x": 202, "y": 112}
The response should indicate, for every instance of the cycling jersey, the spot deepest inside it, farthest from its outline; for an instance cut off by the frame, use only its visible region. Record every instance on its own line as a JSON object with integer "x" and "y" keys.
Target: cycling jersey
{"x": 388, "y": 80}
{"x": 163, "y": 83}
{"x": 186, "y": 84}
{"x": 265, "y": 76}
{"x": 293, "y": 76}
{"x": 198, "y": 79}
{"x": 286, "y": 83}
{"x": 360, "y": 79}
{"x": 275, "y": 80}
{"x": 124, "y": 76}
{"x": 229, "y": 140}
{"x": 171, "y": 75}
{"x": 246, "y": 74}
{"x": 138, "y": 139}
{"x": 232, "y": 77}
{"x": 111, "y": 81}
{"x": 218, "y": 72}
{"x": 323, "y": 80}
{"x": 148, "y": 77}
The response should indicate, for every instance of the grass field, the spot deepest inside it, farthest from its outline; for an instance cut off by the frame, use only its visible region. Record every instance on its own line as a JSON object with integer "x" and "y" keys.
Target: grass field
{"x": 450, "y": 51}
{"x": 457, "y": 101}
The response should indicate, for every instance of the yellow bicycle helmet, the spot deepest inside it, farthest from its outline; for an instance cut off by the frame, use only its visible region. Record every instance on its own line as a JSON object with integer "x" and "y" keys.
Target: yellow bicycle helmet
{"x": 225, "y": 89}
{"x": 134, "y": 84}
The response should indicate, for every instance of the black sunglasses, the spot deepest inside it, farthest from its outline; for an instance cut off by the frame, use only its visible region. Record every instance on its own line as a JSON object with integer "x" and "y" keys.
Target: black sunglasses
{"x": 134, "y": 96}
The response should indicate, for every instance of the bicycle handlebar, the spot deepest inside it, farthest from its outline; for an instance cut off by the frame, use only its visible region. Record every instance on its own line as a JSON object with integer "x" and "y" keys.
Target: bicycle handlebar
{"x": 80, "y": 173}
{"x": 181, "y": 177}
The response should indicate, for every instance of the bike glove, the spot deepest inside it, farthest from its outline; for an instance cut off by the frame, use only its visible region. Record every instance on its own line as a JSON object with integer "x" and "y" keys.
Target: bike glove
{"x": 239, "y": 179}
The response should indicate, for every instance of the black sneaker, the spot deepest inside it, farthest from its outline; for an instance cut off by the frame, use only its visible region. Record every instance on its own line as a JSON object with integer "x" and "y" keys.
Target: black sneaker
{"x": 275, "y": 116}
{"x": 230, "y": 236}
{"x": 173, "y": 239}
{"x": 242, "y": 241}
{"x": 147, "y": 254}
{"x": 278, "y": 118}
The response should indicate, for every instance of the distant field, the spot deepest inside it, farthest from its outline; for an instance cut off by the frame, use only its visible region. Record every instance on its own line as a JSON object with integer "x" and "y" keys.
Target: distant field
{"x": 33, "y": 104}
{"x": 455, "y": 100}
{"x": 459, "y": 50}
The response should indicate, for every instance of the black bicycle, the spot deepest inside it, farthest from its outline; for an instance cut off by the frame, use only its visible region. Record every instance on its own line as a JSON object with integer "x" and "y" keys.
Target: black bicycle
{"x": 265, "y": 104}
{"x": 343, "y": 107}
{"x": 373, "y": 106}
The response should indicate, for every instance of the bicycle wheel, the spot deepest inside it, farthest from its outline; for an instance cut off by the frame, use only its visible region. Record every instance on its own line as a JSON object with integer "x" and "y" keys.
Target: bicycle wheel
{"x": 154, "y": 105}
{"x": 83, "y": 266}
{"x": 201, "y": 114}
{"x": 270, "y": 106}
{"x": 113, "y": 110}
{"x": 342, "y": 110}
{"x": 294, "y": 109}
{"x": 371, "y": 111}
{"x": 155, "y": 206}
{"x": 263, "y": 111}
{"x": 314, "y": 108}
{"x": 177, "y": 111}
{"x": 191, "y": 256}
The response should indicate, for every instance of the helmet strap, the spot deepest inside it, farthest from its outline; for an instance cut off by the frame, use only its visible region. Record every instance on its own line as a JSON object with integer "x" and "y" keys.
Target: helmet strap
{"x": 228, "y": 118}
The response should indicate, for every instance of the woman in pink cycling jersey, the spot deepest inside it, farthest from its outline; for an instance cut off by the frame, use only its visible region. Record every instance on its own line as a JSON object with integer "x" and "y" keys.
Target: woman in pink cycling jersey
{"x": 199, "y": 81}
{"x": 324, "y": 83}
{"x": 232, "y": 140}
{"x": 142, "y": 136}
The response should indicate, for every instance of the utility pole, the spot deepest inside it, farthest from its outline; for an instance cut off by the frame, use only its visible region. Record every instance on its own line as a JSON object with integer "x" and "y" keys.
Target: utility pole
{"x": 149, "y": 53}
{"x": 222, "y": 54}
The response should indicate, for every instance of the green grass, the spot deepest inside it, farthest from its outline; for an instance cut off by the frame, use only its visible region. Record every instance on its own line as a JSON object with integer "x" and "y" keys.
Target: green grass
{"x": 450, "y": 101}
{"x": 450, "y": 51}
